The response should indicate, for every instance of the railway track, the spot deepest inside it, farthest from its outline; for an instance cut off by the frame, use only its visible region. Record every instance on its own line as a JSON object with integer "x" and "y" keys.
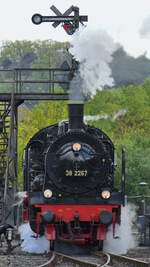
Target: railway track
{"x": 63, "y": 260}
{"x": 126, "y": 261}
{"x": 97, "y": 259}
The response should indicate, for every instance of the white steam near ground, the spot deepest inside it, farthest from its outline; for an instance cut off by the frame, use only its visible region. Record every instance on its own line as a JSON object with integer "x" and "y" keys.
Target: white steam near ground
{"x": 31, "y": 244}
{"x": 28, "y": 242}
{"x": 121, "y": 245}
{"x": 127, "y": 239}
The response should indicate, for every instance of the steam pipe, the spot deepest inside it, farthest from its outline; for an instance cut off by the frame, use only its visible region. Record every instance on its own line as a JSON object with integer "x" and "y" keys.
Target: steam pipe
{"x": 75, "y": 116}
{"x": 123, "y": 173}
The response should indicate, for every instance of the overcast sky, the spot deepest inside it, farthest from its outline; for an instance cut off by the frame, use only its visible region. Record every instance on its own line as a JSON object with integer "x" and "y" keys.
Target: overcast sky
{"x": 127, "y": 21}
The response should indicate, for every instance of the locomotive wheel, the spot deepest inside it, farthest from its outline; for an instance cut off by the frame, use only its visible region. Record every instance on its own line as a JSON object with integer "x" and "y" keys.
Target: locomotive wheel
{"x": 52, "y": 245}
{"x": 100, "y": 245}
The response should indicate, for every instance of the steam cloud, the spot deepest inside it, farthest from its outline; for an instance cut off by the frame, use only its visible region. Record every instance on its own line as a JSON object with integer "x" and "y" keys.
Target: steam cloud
{"x": 126, "y": 239}
{"x": 145, "y": 28}
{"x": 30, "y": 244}
{"x": 93, "y": 49}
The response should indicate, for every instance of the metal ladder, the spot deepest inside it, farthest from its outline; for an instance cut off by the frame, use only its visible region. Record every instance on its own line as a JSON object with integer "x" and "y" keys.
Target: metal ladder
{"x": 8, "y": 158}
{"x": 5, "y": 108}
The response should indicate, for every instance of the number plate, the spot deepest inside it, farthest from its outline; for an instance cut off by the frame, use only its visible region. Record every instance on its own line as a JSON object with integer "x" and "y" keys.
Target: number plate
{"x": 76, "y": 173}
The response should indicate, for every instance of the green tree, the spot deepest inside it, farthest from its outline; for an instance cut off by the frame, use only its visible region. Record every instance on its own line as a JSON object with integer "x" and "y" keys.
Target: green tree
{"x": 131, "y": 129}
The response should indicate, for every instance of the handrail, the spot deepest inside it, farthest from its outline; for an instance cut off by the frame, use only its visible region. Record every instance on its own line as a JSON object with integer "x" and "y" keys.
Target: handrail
{"x": 21, "y": 77}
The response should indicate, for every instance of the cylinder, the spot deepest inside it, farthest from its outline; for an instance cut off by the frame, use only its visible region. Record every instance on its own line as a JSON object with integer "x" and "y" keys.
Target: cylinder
{"x": 75, "y": 116}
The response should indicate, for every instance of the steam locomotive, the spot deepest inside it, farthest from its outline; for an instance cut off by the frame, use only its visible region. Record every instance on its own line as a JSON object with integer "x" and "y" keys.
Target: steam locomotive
{"x": 69, "y": 179}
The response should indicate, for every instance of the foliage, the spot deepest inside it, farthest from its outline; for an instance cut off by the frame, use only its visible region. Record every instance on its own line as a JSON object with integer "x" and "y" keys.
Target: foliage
{"x": 31, "y": 54}
{"x": 24, "y": 54}
{"x": 129, "y": 128}
{"x": 128, "y": 70}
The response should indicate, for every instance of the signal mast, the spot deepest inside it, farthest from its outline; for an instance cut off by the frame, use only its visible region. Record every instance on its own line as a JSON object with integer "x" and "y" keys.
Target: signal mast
{"x": 69, "y": 23}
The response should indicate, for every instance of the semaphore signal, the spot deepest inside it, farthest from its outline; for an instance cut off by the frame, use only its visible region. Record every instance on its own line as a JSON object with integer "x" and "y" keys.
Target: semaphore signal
{"x": 69, "y": 23}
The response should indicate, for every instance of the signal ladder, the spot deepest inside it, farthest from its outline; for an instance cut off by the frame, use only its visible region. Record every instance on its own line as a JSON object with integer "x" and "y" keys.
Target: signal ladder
{"x": 4, "y": 136}
{"x": 8, "y": 159}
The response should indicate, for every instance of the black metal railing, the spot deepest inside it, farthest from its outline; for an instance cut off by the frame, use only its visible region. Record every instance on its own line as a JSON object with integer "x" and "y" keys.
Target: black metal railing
{"x": 35, "y": 80}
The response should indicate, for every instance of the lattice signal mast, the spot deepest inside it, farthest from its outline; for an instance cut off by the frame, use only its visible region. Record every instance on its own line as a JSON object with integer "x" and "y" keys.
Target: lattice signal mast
{"x": 69, "y": 23}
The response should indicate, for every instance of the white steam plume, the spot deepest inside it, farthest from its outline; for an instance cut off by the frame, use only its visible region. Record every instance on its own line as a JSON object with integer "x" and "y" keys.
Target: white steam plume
{"x": 31, "y": 244}
{"x": 126, "y": 238}
{"x": 145, "y": 28}
{"x": 93, "y": 49}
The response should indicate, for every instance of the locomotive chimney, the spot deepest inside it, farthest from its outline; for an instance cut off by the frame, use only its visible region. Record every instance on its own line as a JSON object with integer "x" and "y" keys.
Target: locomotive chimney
{"x": 75, "y": 116}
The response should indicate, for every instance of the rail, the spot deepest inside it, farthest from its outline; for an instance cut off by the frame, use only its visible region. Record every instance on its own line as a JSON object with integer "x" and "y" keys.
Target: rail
{"x": 119, "y": 260}
{"x": 59, "y": 259}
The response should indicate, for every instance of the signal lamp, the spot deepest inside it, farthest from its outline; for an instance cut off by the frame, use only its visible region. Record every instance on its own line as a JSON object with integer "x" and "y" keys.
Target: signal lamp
{"x": 76, "y": 147}
{"x": 69, "y": 28}
{"x": 105, "y": 194}
{"x": 66, "y": 27}
{"x": 48, "y": 193}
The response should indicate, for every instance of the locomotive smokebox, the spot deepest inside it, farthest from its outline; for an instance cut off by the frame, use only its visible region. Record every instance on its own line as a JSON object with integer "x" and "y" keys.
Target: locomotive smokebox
{"x": 75, "y": 116}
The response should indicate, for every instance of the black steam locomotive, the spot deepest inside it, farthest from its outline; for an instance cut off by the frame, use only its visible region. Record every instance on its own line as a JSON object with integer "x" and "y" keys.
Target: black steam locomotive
{"x": 69, "y": 179}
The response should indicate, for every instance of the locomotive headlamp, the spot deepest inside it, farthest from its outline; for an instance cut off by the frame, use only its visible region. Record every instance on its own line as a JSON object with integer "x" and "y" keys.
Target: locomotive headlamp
{"x": 48, "y": 193}
{"x": 105, "y": 194}
{"x": 76, "y": 147}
